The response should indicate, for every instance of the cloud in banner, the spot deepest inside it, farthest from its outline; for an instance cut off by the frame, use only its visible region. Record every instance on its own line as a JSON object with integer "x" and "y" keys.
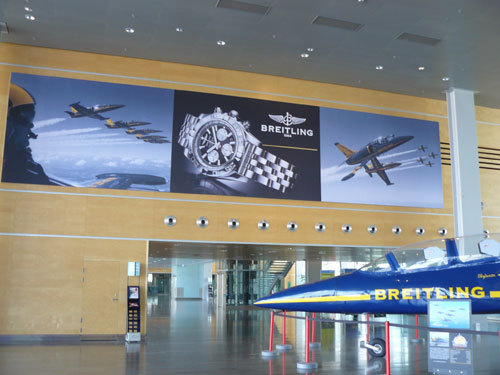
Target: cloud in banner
{"x": 51, "y": 121}
{"x": 80, "y": 163}
{"x": 62, "y": 133}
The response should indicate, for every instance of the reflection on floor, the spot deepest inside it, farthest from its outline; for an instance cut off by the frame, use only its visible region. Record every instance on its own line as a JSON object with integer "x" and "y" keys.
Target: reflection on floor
{"x": 194, "y": 337}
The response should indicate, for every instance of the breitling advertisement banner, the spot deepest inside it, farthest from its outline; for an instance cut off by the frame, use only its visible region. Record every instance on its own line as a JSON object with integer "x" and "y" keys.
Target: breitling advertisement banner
{"x": 72, "y": 132}
{"x": 58, "y": 134}
{"x": 228, "y": 145}
{"x": 376, "y": 159}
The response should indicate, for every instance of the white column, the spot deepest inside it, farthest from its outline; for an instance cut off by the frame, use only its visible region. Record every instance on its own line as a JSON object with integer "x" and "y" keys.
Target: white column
{"x": 464, "y": 162}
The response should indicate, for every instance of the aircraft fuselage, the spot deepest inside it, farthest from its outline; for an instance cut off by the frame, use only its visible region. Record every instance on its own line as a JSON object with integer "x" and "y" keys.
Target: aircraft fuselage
{"x": 374, "y": 149}
{"x": 394, "y": 292}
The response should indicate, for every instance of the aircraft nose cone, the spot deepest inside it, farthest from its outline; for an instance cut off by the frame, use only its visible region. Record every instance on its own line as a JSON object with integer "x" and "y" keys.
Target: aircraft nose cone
{"x": 300, "y": 298}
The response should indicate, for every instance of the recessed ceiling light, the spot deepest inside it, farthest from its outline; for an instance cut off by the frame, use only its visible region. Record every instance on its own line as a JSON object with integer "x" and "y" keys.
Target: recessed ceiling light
{"x": 310, "y": 49}
{"x": 129, "y": 30}
{"x": 29, "y": 17}
{"x": 304, "y": 55}
{"x": 221, "y": 43}
{"x": 179, "y": 29}
{"x": 28, "y": 9}
{"x": 445, "y": 79}
{"x": 379, "y": 67}
{"x": 421, "y": 68}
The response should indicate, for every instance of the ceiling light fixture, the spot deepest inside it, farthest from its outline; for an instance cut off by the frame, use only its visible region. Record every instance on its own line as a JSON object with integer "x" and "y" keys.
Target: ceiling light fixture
{"x": 179, "y": 29}
{"x": 29, "y": 17}
{"x": 129, "y": 30}
{"x": 221, "y": 43}
{"x": 310, "y": 49}
{"x": 421, "y": 68}
{"x": 445, "y": 79}
{"x": 379, "y": 67}
{"x": 304, "y": 55}
{"x": 28, "y": 9}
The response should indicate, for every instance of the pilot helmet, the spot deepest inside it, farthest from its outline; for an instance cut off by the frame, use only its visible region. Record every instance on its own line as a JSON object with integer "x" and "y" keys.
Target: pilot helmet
{"x": 21, "y": 104}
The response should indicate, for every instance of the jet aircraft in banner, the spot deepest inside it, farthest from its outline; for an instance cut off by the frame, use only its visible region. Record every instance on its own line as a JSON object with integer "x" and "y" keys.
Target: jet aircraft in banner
{"x": 421, "y": 161}
{"x": 429, "y": 164}
{"x": 366, "y": 157}
{"x": 78, "y": 110}
{"x": 433, "y": 155}
{"x": 124, "y": 124}
{"x": 422, "y": 148}
{"x": 153, "y": 138}
{"x": 141, "y": 131}
{"x": 405, "y": 280}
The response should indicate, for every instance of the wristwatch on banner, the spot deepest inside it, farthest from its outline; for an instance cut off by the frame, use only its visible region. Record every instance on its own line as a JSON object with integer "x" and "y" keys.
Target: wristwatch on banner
{"x": 221, "y": 145}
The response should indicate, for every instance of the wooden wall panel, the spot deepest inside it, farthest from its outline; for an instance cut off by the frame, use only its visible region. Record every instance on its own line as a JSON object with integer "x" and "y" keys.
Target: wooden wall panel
{"x": 29, "y": 212}
{"x": 41, "y": 281}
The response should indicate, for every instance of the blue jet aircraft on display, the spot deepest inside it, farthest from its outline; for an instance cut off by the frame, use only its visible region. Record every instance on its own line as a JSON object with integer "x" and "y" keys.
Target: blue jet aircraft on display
{"x": 405, "y": 280}
{"x": 367, "y": 156}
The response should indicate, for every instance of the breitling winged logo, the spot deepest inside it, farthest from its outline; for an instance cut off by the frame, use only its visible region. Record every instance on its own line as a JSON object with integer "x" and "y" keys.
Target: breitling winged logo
{"x": 288, "y": 119}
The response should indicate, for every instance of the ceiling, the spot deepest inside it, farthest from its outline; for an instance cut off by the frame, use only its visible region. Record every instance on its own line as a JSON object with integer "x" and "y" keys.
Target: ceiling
{"x": 161, "y": 253}
{"x": 272, "y": 43}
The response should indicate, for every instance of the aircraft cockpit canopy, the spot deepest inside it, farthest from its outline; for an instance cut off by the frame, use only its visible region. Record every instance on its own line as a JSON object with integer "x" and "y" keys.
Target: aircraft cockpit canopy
{"x": 384, "y": 140}
{"x": 437, "y": 253}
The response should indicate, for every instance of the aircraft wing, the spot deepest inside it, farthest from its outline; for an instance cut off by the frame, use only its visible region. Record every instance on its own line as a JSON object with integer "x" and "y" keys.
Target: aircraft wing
{"x": 380, "y": 171}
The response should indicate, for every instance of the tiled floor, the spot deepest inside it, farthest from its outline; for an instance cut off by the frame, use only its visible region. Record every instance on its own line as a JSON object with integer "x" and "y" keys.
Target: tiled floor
{"x": 192, "y": 337}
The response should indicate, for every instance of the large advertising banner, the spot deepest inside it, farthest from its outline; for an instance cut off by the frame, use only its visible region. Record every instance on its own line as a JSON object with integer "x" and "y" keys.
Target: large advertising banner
{"x": 83, "y": 133}
{"x": 378, "y": 159}
{"x": 228, "y": 145}
{"x": 72, "y": 132}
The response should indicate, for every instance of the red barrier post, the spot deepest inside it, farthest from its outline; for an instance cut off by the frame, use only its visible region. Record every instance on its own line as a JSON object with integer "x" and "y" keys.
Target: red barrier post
{"x": 284, "y": 327}
{"x": 307, "y": 338}
{"x": 313, "y": 327}
{"x": 271, "y": 332}
{"x": 499, "y": 338}
{"x": 416, "y": 323}
{"x": 387, "y": 349}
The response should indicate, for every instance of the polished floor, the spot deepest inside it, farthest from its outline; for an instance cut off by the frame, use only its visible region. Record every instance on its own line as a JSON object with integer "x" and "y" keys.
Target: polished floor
{"x": 194, "y": 337}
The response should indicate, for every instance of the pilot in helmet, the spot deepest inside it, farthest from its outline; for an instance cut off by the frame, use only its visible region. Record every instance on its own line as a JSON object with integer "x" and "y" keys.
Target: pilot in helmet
{"x": 18, "y": 163}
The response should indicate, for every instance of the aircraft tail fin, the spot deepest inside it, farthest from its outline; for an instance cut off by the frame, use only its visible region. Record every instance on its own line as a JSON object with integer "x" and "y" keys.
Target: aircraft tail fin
{"x": 110, "y": 122}
{"x": 72, "y": 114}
{"x": 345, "y": 150}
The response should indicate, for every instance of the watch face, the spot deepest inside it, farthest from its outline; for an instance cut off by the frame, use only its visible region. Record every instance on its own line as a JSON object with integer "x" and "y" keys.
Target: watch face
{"x": 215, "y": 146}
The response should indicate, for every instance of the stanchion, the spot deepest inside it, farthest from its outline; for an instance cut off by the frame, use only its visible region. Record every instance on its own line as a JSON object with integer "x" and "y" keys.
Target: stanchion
{"x": 417, "y": 336}
{"x": 314, "y": 344}
{"x": 499, "y": 339}
{"x": 284, "y": 346}
{"x": 270, "y": 352}
{"x": 307, "y": 365}
{"x": 387, "y": 349}
{"x": 367, "y": 327}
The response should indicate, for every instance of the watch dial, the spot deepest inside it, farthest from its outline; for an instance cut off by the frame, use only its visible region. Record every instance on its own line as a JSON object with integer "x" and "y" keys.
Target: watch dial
{"x": 215, "y": 145}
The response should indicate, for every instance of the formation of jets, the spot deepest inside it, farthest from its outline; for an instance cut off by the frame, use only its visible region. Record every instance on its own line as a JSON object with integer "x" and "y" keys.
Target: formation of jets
{"x": 78, "y": 110}
{"x": 367, "y": 156}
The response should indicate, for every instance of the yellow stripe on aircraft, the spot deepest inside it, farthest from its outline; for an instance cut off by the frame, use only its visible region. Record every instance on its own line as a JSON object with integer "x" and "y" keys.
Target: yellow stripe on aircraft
{"x": 359, "y": 297}
{"x": 495, "y": 294}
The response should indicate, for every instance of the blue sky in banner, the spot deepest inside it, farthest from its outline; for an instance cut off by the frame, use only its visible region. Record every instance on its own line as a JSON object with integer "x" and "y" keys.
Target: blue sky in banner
{"x": 415, "y": 184}
{"x": 76, "y": 150}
